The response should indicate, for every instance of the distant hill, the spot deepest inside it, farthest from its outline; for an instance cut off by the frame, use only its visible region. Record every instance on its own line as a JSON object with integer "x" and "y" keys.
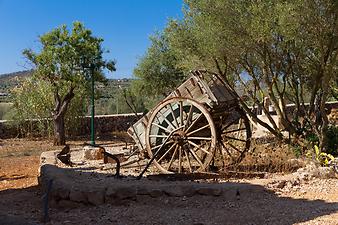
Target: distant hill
{"x": 10, "y": 80}
{"x": 9, "y": 76}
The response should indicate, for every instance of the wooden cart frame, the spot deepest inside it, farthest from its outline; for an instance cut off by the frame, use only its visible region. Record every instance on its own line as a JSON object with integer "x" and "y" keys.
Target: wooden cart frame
{"x": 198, "y": 121}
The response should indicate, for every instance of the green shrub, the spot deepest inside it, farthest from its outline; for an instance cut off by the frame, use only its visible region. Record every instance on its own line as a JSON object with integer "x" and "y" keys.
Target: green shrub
{"x": 297, "y": 150}
{"x": 324, "y": 159}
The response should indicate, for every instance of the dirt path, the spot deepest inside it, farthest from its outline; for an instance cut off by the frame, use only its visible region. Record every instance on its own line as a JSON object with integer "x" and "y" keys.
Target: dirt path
{"x": 312, "y": 202}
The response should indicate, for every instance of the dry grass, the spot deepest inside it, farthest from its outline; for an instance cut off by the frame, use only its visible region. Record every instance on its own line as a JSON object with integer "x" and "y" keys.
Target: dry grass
{"x": 270, "y": 157}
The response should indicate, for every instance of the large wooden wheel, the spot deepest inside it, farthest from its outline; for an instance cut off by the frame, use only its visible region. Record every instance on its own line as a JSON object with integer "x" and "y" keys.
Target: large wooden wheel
{"x": 186, "y": 131}
{"x": 234, "y": 136}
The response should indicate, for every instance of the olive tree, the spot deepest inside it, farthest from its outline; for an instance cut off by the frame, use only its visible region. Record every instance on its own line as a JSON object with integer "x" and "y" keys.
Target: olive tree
{"x": 284, "y": 50}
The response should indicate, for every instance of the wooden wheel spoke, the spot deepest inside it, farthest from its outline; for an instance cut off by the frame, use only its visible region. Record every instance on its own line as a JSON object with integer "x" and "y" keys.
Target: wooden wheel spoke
{"x": 226, "y": 149}
{"x": 162, "y": 127}
{"x": 181, "y": 113}
{"x": 173, "y": 114}
{"x": 199, "y": 138}
{"x": 185, "y": 118}
{"x": 196, "y": 157}
{"x": 172, "y": 158}
{"x": 180, "y": 159}
{"x": 234, "y": 147}
{"x": 157, "y": 146}
{"x": 235, "y": 130}
{"x": 158, "y": 135}
{"x": 189, "y": 116}
{"x": 227, "y": 126}
{"x": 188, "y": 160}
{"x": 233, "y": 138}
{"x": 194, "y": 122}
{"x": 166, "y": 153}
{"x": 197, "y": 146}
{"x": 165, "y": 118}
{"x": 199, "y": 129}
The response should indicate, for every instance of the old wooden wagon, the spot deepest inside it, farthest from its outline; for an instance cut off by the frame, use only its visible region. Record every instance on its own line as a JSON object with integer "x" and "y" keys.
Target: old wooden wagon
{"x": 197, "y": 121}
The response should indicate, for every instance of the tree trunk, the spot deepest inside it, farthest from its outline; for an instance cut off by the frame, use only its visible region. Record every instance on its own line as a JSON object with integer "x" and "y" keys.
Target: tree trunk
{"x": 59, "y": 113}
{"x": 59, "y": 130}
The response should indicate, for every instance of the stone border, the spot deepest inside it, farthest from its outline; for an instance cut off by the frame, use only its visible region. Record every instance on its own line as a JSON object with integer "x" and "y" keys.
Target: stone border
{"x": 72, "y": 187}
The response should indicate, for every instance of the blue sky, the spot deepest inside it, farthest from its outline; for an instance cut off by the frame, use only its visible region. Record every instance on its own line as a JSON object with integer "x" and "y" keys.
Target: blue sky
{"x": 125, "y": 26}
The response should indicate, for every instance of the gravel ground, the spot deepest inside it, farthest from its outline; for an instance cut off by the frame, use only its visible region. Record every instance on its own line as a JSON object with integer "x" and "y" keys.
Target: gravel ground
{"x": 268, "y": 202}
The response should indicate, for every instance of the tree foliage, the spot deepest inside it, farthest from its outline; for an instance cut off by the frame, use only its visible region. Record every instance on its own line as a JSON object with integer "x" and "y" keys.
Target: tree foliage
{"x": 157, "y": 71}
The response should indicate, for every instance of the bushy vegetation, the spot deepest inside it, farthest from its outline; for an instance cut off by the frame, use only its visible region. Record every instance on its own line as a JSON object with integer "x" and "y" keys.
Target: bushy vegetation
{"x": 4, "y": 108}
{"x": 33, "y": 105}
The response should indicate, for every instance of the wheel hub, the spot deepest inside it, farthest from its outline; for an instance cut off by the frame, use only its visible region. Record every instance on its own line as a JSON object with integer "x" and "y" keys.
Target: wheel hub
{"x": 180, "y": 137}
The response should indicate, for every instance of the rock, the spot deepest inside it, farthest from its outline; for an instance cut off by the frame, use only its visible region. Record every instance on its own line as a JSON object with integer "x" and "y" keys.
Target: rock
{"x": 48, "y": 158}
{"x": 281, "y": 184}
{"x": 312, "y": 170}
{"x": 180, "y": 190}
{"x": 296, "y": 163}
{"x": 188, "y": 190}
{"x": 77, "y": 196}
{"x": 95, "y": 197}
{"x": 295, "y": 182}
{"x": 326, "y": 172}
{"x": 92, "y": 153}
{"x": 66, "y": 204}
{"x": 304, "y": 176}
{"x": 209, "y": 191}
{"x": 174, "y": 191}
{"x": 308, "y": 172}
{"x": 60, "y": 192}
{"x": 267, "y": 175}
{"x": 142, "y": 190}
{"x": 120, "y": 192}
{"x": 155, "y": 193}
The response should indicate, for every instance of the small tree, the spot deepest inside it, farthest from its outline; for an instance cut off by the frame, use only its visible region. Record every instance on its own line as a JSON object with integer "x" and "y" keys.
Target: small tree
{"x": 67, "y": 60}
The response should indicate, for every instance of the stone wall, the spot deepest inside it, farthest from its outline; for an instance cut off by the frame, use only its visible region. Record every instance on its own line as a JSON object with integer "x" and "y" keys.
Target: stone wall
{"x": 109, "y": 123}
{"x": 260, "y": 131}
{"x": 104, "y": 124}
